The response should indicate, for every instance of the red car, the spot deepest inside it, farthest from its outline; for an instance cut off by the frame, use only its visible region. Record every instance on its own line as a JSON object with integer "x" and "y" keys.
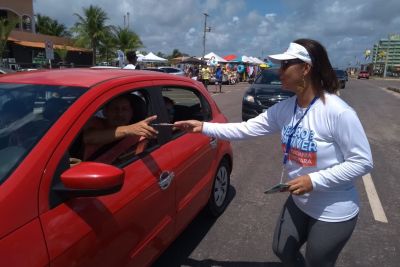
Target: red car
{"x": 57, "y": 209}
{"x": 363, "y": 75}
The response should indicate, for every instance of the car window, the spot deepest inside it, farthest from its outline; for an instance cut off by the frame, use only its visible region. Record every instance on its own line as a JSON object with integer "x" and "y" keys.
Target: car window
{"x": 26, "y": 113}
{"x": 185, "y": 104}
{"x": 340, "y": 72}
{"x": 268, "y": 77}
{"x": 170, "y": 70}
{"x": 93, "y": 144}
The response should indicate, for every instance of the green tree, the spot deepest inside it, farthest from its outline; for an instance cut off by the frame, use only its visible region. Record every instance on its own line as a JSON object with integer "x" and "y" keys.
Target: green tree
{"x": 6, "y": 26}
{"x": 161, "y": 54}
{"x": 127, "y": 39}
{"x": 49, "y": 26}
{"x": 107, "y": 46}
{"x": 62, "y": 53}
{"x": 177, "y": 53}
{"x": 91, "y": 28}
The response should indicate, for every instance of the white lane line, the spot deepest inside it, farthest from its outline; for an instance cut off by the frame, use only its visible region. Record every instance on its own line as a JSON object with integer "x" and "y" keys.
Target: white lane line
{"x": 390, "y": 92}
{"x": 374, "y": 202}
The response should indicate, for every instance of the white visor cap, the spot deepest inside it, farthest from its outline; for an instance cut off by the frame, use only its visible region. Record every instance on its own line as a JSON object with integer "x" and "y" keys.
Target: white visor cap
{"x": 294, "y": 51}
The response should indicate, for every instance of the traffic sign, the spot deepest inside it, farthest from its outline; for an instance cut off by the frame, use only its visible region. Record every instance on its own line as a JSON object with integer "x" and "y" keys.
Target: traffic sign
{"x": 48, "y": 45}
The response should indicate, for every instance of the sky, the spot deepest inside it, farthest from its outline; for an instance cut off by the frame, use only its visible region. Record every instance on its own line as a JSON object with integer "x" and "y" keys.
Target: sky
{"x": 253, "y": 27}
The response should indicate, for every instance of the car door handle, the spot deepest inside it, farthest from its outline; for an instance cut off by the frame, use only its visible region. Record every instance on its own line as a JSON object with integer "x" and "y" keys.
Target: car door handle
{"x": 165, "y": 179}
{"x": 213, "y": 142}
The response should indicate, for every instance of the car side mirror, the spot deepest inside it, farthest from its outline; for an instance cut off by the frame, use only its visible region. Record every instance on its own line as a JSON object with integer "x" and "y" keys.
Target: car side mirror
{"x": 88, "y": 179}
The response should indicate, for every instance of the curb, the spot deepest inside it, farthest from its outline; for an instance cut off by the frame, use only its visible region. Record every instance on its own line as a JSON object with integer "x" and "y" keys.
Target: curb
{"x": 397, "y": 90}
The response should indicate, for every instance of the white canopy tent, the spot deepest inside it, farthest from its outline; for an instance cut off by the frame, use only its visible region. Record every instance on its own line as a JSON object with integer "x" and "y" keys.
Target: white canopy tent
{"x": 246, "y": 59}
{"x": 217, "y": 58}
{"x": 139, "y": 57}
{"x": 150, "y": 57}
{"x": 257, "y": 60}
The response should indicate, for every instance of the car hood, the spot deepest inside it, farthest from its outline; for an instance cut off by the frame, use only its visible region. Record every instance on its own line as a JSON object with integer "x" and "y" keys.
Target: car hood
{"x": 262, "y": 89}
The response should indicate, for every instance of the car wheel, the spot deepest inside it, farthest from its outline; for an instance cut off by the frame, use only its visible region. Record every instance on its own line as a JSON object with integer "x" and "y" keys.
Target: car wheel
{"x": 219, "y": 192}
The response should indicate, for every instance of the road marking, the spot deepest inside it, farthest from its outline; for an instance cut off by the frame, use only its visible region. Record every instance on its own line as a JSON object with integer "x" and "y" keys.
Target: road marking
{"x": 374, "y": 202}
{"x": 390, "y": 91}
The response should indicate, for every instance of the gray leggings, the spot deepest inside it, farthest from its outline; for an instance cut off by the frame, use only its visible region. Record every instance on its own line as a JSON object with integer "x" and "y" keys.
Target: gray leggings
{"x": 324, "y": 240}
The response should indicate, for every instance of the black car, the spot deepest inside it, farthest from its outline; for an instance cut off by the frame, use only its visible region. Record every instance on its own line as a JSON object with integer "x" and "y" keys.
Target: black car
{"x": 263, "y": 93}
{"x": 154, "y": 69}
{"x": 341, "y": 75}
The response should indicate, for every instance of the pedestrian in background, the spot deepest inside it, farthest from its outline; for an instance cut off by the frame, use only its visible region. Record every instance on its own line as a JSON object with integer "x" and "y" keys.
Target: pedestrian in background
{"x": 132, "y": 61}
{"x": 325, "y": 150}
{"x": 206, "y": 75}
{"x": 218, "y": 78}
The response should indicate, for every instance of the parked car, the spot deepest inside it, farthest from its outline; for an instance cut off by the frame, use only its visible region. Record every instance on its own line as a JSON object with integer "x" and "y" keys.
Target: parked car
{"x": 173, "y": 70}
{"x": 346, "y": 75}
{"x": 155, "y": 69}
{"x": 341, "y": 75}
{"x": 60, "y": 210}
{"x": 263, "y": 93}
{"x": 363, "y": 74}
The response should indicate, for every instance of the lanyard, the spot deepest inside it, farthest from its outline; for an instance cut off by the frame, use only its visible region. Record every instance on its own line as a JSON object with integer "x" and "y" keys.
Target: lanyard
{"x": 286, "y": 155}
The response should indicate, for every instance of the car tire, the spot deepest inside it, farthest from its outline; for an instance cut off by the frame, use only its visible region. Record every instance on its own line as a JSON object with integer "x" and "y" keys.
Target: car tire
{"x": 219, "y": 193}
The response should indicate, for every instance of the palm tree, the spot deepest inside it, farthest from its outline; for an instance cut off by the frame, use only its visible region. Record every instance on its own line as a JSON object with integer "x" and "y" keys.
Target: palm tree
{"x": 127, "y": 39}
{"x": 91, "y": 28}
{"x": 176, "y": 53}
{"x": 49, "y": 26}
{"x": 6, "y": 26}
{"x": 107, "y": 46}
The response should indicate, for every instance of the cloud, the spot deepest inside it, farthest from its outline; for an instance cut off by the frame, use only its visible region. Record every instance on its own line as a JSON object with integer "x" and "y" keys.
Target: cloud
{"x": 253, "y": 28}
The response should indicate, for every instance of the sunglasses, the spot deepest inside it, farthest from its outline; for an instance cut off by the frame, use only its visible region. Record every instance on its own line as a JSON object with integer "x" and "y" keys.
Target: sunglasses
{"x": 287, "y": 63}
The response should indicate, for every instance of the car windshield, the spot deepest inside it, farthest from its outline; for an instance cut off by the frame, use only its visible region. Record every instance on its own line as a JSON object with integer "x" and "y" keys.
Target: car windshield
{"x": 268, "y": 77}
{"x": 170, "y": 70}
{"x": 26, "y": 113}
{"x": 340, "y": 73}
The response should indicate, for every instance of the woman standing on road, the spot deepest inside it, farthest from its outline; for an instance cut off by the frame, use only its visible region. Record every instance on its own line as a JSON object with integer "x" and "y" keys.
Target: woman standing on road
{"x": 325, "y": 149}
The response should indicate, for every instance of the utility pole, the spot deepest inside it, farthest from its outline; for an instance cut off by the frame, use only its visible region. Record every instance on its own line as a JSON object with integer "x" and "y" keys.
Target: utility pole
{"x": 127, "y": 15}
{"x": 206, "y": 29}
{"x": 387, "y": 55}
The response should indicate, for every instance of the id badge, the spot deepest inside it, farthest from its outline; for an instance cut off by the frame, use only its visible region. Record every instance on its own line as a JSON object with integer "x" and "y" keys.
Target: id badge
{"x": 281, "y": 187}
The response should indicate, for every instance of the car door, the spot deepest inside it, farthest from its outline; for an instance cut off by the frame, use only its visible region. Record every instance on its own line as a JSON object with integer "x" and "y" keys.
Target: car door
{"x": 193, "y": 153}
{"x": 127, "y": 228}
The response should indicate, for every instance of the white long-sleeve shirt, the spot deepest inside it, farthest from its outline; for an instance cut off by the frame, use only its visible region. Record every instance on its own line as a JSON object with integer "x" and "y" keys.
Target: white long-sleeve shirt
{"x": 329, "y": 145}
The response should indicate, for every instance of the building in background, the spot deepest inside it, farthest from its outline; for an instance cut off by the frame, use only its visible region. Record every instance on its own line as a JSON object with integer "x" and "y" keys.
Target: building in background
{"x": 26, "y": 48}
{"x": 387, "y": 51}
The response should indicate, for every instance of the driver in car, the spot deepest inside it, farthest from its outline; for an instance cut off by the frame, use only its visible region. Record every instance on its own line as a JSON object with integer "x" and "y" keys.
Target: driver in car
{"x": 106, "y": 138}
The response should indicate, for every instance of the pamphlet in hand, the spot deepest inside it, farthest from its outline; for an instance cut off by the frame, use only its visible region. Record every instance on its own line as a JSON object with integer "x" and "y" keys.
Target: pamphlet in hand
{"x": 162, "y": 124}
{"x": 281, "y": 187}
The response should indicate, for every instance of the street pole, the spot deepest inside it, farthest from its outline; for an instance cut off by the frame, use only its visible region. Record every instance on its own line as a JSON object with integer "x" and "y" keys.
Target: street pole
{"x": 204, "y": 36}
{"x": 386, "y": 58}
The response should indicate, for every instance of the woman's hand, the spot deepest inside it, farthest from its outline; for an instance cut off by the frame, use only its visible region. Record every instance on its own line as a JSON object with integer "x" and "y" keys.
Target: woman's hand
{"x": 190, "y": 126}
{"x": 300, "y": 185}
{"x": 142, "y": 128}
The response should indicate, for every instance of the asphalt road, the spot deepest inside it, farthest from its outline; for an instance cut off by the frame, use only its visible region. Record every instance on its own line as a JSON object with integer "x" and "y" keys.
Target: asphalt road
{"x": 242, "y": 236}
